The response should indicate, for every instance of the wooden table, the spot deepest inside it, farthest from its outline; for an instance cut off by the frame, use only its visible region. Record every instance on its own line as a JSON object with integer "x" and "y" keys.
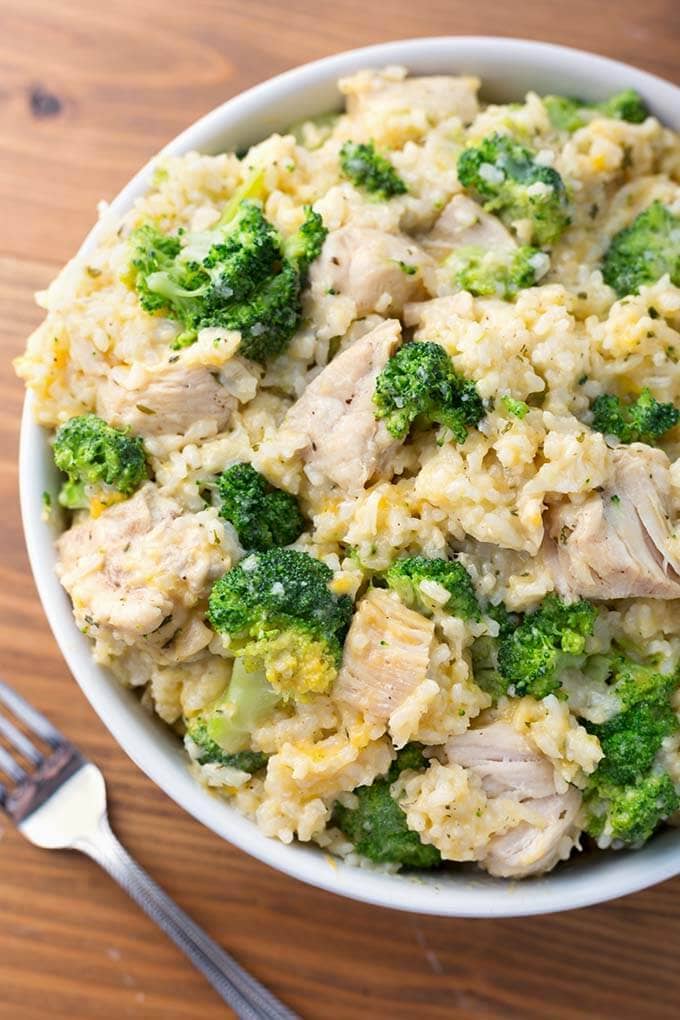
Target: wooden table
{"x": 88, "y": 92}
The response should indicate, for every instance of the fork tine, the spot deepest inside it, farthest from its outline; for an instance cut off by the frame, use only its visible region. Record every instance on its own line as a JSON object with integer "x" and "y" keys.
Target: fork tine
{"x": 20, "y": 742}
{"x": 28, "y": 715}
{"x": 10, "y": 767}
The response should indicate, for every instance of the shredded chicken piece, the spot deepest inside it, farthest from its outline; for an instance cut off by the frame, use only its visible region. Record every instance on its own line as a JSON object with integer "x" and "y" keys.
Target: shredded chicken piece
{"x": 333, "y": 424}
{"x": 504, "y": 761}
{"x": 166, "y": 400}
{"x": 137, "y": 564}
{"x": 463, "y": 223}
{"x": 618, "y": 544}
{"x": 532, "y": 848}
{"x": 436, "y": 98}
{"x": 380, "y": 272}
{"x": 509, "y": 767}
{"x": 386, "y": 655}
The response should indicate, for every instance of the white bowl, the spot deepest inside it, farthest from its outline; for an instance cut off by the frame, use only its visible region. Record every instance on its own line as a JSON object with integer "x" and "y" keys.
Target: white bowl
{"x": 508, "y": 68}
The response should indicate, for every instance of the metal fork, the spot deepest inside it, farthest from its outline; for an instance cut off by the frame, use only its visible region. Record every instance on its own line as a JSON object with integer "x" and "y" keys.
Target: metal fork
{"x": 57, "y": 800}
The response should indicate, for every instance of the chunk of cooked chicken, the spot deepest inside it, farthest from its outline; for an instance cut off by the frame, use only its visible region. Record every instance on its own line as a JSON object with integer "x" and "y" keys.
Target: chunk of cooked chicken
{"x": 504, "y": 761}
{"x": 532, "y": 848}
{"x": 463, "y": 223}
{"x": 619, "y": 544}
{"x": 165, "y": 401}
{"x": 333, "y": 424}
{"x": 380, "y": 272}
{"x": 423, "y": 102}
{"x": 509, "y": 767}
{"x": 386, "y": 655}
{"x": 139, "y": 563}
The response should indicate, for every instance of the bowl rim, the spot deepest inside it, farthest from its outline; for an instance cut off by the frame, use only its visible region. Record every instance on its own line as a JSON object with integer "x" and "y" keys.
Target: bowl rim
{"x": 453, "y": 895}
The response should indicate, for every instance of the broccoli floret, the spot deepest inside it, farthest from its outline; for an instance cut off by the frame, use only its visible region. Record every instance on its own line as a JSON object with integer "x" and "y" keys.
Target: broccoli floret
{"x": 409, "y": 757}
{"x": 268, "y": 321}
{"x": 484, "y": 655}
{"x": 304, "y": 246}
{"x": 237, "y": 264}
{"x": 192, "y": 277}
{"x": 240, "y": 275}
{"x": 644, "y": 251}
{"x": 279, "y": 614}
{"x": 500, "y": 274}
{"x": 506, "y": 176}
{"x": 628, "y": 796}
{"x": 367, "y": 169}
{"x": 187, "y": 273}
{"x": 103, "y": 464}
{"x": 153, "y": 252}
{"x": 407, "y": 576}
{"x": 210, "y": 752}
{"x": 565, "y": 114}
{"x": 377, "y": 826}
{"x": 222, "y": 733}
{"x": 262, "y": 515}
{"x": 531, "y": 656}
{"x": 631, "y": 739}
{"x": 627, "y": 105}
{"x": 484, "y": 652}
{"x": 643, "y": 419}
{"x": 629, "y": 815}
{"x": 420, "y": 385}
{"x": 571, "y": 114}
{"x": 507, "y": 621}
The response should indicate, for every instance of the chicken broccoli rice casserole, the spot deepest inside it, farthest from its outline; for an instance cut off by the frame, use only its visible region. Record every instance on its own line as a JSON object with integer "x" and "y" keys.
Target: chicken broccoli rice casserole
{"x": 369, "y": 446}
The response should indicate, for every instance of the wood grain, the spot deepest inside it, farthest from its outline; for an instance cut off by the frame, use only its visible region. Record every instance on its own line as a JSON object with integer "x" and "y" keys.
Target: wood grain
{"x": 87, "y": 93}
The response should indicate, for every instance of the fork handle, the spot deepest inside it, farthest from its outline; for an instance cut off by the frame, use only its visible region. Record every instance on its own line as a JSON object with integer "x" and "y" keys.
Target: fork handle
{"x": 247, "y": 997}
